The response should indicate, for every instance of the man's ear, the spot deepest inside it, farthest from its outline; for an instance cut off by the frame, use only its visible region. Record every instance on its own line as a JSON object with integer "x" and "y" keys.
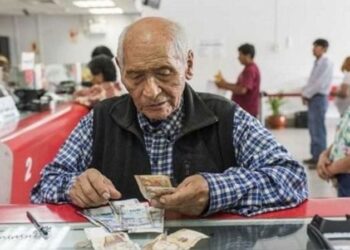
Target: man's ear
{"x": 189, "y": 65}
{"x": 117, "y": 61}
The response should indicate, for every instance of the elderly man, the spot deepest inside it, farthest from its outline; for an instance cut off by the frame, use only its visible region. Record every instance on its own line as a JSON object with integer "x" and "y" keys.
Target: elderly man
{"x": 219, "y": 157}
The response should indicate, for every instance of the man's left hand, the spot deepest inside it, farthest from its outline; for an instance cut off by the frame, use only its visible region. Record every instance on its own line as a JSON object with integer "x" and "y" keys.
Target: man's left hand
{"x": 191, "y": 197}
{"x": 305, "y": 100}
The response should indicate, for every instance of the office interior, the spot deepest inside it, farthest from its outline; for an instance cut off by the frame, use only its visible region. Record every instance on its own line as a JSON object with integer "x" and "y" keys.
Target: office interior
{"x": 48, "y": 45}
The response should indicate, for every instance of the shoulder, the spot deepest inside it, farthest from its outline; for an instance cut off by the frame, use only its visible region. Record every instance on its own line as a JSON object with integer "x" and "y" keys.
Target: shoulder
{"x": 216, "y": 103}
{"x": 112, "y": 102}
{"x": 326, "y": 61}
{"x": 346, "y": 77}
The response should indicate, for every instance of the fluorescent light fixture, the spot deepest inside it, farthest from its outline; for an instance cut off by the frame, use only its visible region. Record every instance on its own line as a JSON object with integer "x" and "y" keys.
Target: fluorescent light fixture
{"x": 100, "y": 11}
{"x": 94, "y": 3}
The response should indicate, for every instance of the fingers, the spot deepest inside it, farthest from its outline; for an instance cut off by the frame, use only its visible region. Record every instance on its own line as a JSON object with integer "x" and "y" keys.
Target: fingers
{"x": 323, "y": 167}
{"x": 113, "y": 193}
{"x": 92, "y": 189}
{"x": 190, "y": 197}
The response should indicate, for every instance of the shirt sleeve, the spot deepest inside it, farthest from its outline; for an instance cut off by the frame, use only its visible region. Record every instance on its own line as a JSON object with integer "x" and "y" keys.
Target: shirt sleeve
{"x": 247, "y": 78}
{"x": 266, "y": 178}
{"x": 72, "y": 159}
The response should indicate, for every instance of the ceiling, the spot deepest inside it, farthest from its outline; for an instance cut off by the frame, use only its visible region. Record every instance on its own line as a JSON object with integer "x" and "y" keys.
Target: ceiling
{"x": 58, "y": 7}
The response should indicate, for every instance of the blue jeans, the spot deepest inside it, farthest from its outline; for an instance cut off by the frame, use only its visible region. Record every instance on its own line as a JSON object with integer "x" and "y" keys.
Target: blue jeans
{"x": 317, "y": 109}
{"x": 343, "y": 185}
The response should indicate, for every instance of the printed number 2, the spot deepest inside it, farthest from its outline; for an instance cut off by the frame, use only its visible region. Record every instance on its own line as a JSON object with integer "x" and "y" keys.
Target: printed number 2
{"x": 29, "y": 164}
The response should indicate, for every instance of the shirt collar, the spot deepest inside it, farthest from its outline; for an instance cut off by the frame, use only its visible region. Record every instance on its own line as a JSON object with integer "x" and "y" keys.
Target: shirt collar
{"x": 170, "y": 126}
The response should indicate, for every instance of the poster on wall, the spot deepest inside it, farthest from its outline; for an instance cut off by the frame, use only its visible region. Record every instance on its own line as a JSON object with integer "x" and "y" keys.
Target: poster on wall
{"x": 27, "y": 61}
{"x": 210, "y": 48}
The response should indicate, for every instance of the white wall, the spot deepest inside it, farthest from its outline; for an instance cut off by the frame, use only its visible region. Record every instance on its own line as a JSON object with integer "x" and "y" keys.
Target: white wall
{"x": 51, "y": 34}
{"x": 290, "y": 25}
{"x": 267, "y": 24}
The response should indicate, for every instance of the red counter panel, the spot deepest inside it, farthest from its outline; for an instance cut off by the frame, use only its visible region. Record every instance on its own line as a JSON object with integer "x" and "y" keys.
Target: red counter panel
{"x": 332, "y": 207}
{"x": 33, "y": 144}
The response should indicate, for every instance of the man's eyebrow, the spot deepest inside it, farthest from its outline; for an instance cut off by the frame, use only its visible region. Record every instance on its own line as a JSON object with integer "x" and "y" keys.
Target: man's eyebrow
{"x": 133, "y": 71}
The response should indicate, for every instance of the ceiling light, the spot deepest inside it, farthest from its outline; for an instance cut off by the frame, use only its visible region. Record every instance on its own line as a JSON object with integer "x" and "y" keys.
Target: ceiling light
{"x": 94, "y": 3}
{"x": 106, "y": 11}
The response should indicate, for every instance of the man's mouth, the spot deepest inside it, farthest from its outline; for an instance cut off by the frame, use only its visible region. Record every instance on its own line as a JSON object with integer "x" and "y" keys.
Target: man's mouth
{"x": 158, "y": 104}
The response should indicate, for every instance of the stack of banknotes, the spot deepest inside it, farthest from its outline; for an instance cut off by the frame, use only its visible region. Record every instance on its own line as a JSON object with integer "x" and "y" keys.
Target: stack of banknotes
{"x": 183, "y": 239}
{"x": 127, "y": 215}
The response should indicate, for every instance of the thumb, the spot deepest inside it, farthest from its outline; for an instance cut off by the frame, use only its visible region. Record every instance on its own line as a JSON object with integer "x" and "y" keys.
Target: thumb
{"x": 113, "y": 192}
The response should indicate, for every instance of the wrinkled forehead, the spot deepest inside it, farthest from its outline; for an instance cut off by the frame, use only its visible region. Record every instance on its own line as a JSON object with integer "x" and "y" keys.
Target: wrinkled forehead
{"x": 150, "y": 52}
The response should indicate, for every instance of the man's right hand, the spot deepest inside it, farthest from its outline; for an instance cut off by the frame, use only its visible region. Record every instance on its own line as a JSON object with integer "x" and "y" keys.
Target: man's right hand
{"x": 92, "y": 189}
{"x": 322, "y": 165}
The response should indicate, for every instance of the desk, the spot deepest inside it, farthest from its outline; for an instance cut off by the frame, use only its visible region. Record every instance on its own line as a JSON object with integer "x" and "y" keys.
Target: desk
{"x": 285, "y": 229}
{"x": 33, "y": 143}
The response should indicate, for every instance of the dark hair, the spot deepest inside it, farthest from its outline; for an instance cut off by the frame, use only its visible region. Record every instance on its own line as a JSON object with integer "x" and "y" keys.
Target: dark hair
{"x": 247, "y": 49}
{"x": 102, "y": 50}
{"x": 321, "y": 42}
{"x": 104, "y": 65}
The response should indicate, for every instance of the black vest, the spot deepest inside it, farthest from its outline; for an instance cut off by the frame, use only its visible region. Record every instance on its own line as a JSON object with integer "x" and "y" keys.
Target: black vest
{"x": 205, "y": 143}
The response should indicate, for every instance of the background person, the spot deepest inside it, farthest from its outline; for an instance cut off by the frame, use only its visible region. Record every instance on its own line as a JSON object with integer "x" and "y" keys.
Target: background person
{"x": 104, "y": 82}
{"x": 334, "y": 163}
{"x": 342, "y": 100}
{"x": 315, "y": 96}
{"x": 246, "y": 91}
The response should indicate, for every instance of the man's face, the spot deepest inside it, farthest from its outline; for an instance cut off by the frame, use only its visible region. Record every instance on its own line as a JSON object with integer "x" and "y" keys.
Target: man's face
{"x": 155, "y": 75}
{"x": 318, "y": 51}
{"x": 243, "y": 58}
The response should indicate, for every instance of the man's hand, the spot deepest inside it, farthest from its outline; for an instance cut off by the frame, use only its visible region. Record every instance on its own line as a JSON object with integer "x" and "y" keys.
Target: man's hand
{"x": 191, "y": 197}
{"x": 92, "y": 189}
{"x": 220, "y": 83}
{"x": 340, "y": 166}
{"x": 322, "y": 166}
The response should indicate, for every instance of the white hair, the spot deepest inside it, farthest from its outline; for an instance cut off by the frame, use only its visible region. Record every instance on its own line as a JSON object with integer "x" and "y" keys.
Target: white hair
{"x": 177, "y": 35}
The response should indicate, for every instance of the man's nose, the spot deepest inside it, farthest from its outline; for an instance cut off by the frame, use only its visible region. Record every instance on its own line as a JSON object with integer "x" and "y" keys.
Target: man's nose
{"x": 151, "y": 88}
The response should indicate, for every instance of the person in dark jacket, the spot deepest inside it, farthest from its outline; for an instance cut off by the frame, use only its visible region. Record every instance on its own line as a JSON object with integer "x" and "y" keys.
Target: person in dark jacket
{"x": 219, "y": 157}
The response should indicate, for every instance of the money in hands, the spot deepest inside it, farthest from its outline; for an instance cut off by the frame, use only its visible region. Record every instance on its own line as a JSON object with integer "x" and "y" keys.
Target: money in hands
{"x": 154, "y": 185}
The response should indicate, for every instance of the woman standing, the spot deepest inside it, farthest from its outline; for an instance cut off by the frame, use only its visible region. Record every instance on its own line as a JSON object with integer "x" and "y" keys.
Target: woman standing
{"x": 342, "y": 94}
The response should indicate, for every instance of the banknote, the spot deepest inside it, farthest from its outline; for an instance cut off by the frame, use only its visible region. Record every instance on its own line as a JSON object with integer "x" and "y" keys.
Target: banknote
{"x": 180, "y": 240}
{"x": 186, "y": 238}
{"x": 101, "y": 240}
{"x": 128, "y": 215}
{"x": 153, "y": 185}
{"x": 157, "y": 222}
{"x": 107, "y": 216}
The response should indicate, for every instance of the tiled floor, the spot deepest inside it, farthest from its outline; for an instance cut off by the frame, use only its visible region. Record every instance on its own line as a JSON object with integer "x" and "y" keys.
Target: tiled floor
{"x": 297, "y": 142}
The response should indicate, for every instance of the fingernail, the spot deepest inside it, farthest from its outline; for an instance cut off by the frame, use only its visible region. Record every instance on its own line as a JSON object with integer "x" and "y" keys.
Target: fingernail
{"x": 162, "y": 200}
{"x": 106, "y": 195}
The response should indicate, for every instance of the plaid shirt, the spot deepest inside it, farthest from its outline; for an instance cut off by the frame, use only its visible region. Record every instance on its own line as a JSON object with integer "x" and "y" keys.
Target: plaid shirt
{"x": 266, "y": 178}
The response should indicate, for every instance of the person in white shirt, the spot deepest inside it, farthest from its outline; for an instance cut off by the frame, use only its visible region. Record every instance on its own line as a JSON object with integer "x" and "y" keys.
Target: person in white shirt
{"x": 342, "y": 94}
{"x": 315, "y": 96}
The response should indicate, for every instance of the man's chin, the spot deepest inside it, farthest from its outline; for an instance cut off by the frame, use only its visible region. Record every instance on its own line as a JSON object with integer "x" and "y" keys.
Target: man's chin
{"x": 156, "y": 116}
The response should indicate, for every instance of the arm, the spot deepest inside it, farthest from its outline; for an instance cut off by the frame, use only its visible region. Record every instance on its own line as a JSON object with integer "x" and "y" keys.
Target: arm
{"x": 343, "y": 91}
{"x": 266, "y": 177}
{"x": 72, "y": 159}
{"x": 234, "y": 87}
{"x": 339, "y": 166}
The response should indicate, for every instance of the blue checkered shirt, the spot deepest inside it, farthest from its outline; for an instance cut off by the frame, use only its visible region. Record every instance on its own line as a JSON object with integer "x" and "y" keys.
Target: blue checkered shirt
{"x": 266, "y": 177}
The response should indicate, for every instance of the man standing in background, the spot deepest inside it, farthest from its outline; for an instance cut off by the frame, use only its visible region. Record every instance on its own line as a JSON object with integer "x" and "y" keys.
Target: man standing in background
{"x": 315, "y": 95}
{"x": 246, "y": 91}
